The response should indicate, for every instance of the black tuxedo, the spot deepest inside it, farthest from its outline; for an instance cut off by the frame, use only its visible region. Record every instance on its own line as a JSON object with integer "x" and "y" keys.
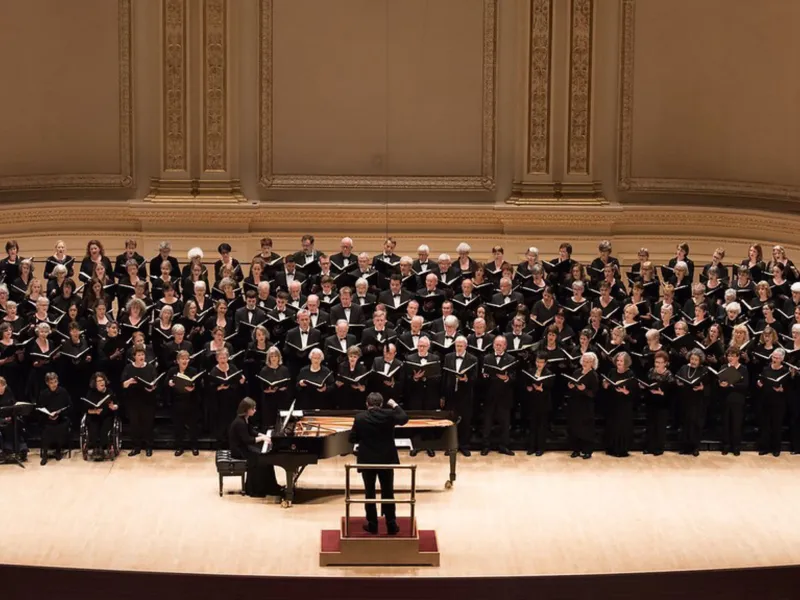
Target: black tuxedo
{"x": 406, "y": 342}
{"x": 516, "y": 298}
{"x": 333, "y": 347}
{"x": 459, "y": 395}
{"x": 338, "y": 260}
{"x": 441, "y": 345}
{"x": 373, "y": 431}
{"x": 245, "y": 332}
{"x": 499, "y": 399}
{"x": 299, "y": 358}
{"x": 281, "y": 284}
{"x": 386, "y": 297}
{"x": 266, "y": 305}
{"x": 422, "y": 394}
{"x": 389, "y": 388}
{"x": 323, "y": 321}
{"x": 356, "y": 314}
{"x": 373, "y": 342}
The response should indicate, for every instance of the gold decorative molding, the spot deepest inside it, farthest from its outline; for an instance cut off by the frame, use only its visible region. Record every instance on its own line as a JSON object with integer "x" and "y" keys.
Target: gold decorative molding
{"x": 123, "y": 179}
{"x": 485, "y": 181}
{"x": 580, "y": 86}
{"x": 215, "y": 39}
{"x": 174, "y": 32}
{"x": 466, "y": 221}
{"x": 703, "y": 187}
{"x": 541, "y": 29}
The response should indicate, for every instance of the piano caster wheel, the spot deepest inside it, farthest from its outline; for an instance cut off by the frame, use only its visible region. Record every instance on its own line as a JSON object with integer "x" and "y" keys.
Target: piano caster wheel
{"x": 286, "y": 504}
{"x": 448, "y": 484}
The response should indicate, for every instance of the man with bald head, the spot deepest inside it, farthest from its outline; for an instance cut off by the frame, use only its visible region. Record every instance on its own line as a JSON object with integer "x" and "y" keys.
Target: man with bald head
{"x": 337, "y": 344}
{"x": 423, "y": 381}
{"x": 388, "y": 376}
{"x": 499, "y": 370}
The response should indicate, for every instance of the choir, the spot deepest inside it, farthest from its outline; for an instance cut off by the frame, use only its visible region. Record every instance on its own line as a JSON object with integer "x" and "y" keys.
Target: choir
{"x": 507, "y": 348}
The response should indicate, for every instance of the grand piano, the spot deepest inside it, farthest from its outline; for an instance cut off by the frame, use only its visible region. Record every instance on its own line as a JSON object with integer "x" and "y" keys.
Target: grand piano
{"x": 299, "y": 441}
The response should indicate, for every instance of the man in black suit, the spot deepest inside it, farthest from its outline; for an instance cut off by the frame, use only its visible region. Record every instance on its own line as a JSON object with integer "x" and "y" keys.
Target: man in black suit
{"x": 348, "y": 311}
{"x": 345, "y": 260}
{"x": 248, "y": 318}
{"x": 299, "y": 342}
{"x": 396, "y": 294}
{"x": 458, "y": 385}
{"x": 375, "y": 338}
{"x": 373, "y": 431}
{"x": 319, "y": 318}
{"x": 387, "y": 373}
{"x": 288, "y": 275}
{"x": 498, "y": 370}
{"x": 308, "y": 254}
{"x": 336, "y": 345}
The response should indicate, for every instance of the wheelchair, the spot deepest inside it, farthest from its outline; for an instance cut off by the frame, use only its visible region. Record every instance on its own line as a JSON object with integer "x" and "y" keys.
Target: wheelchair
{"x": 114, "y": 439}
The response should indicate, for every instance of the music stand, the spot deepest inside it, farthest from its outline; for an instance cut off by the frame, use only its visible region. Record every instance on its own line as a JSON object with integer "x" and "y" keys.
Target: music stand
{"x": 20, "y": 409}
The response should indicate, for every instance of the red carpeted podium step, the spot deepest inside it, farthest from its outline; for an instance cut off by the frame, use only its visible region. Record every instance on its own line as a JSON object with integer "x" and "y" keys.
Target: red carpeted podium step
{"x": 407, "y": 548}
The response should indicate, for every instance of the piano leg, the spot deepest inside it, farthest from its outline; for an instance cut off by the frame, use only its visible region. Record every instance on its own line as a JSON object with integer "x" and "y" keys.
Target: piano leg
{"x": 288, "y": 494}
{"x": 453, "y": 458}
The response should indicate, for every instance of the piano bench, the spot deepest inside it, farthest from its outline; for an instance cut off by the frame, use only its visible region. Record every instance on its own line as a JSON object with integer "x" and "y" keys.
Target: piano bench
{"x": 230, "y": 467}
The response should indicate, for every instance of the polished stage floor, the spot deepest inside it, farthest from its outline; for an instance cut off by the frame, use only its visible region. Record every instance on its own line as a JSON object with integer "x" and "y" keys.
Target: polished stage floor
{"x": 505, "y": 515}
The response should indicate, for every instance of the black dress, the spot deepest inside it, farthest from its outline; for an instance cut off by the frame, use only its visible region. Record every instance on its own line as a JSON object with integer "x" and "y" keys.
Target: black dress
{"x": 261, "y": 480}
{"x": 348, "y": 396}
{"x": 539, "y": 403}
{"x": 619, "y": 426}
{"x": 278, "y": 398}
{"x": 311, "y": 395}
{"x": 55, "y": 430}
{"x": 580, "y": 412}
{"x": 185, "y": 404}
{"x": 658, "y": 410}
{"x": 141, "y": 403}
{"x": 222, "y": 403}
{"x": 774, "y": 392}
{"x": 694, "y": 405}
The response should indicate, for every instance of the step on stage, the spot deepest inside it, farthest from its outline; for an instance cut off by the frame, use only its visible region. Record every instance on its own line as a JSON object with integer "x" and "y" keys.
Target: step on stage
{"x": 410, "y": 547}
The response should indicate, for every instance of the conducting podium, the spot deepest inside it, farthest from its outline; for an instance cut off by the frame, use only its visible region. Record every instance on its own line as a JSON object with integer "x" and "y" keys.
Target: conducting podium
{"x": 350, "y": 545}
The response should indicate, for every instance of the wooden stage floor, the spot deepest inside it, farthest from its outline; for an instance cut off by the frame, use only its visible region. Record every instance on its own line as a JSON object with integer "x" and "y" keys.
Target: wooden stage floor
{"x": 505, "y": 516}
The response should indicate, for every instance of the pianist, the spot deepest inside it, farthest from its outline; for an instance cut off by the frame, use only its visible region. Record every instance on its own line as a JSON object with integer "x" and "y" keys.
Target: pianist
{"x": 373, "y": 431}
{"x": 245, "y": 444}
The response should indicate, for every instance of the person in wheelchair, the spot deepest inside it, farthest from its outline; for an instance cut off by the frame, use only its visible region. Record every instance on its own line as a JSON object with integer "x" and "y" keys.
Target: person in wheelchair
{"x": 55, "y": 404}
{"x": 101, "y": 410}
{"x": 7, "y": 425}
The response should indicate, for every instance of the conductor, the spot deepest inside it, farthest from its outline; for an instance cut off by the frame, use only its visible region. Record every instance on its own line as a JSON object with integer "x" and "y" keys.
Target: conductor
{"x": 373, "y": 431}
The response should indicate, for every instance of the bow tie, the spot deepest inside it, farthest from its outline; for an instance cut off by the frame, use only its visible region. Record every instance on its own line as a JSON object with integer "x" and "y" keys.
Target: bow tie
{"x": 396, "y": 296}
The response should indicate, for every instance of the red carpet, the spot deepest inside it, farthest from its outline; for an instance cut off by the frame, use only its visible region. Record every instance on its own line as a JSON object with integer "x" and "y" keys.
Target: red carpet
{"x": 357, "y": 531}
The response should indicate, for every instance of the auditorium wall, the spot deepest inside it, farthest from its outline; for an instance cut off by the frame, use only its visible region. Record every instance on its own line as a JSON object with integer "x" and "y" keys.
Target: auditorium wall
{"x": 520, "y": 121}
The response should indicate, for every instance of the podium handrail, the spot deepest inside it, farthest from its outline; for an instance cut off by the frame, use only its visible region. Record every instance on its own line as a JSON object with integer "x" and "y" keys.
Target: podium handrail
{"x": 412, "y": 500}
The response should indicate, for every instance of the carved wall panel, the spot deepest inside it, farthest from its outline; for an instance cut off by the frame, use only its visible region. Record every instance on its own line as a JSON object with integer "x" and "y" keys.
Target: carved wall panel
{"x": 708, "y": 98}
{"x": 215, "y": 85}
{"x": 541, "y": 27}
{"x": 394, "y": 88}
{"x": 174, "y": 32}
{"x": 580, "y": 86}
{"x": 67, "y": 101}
